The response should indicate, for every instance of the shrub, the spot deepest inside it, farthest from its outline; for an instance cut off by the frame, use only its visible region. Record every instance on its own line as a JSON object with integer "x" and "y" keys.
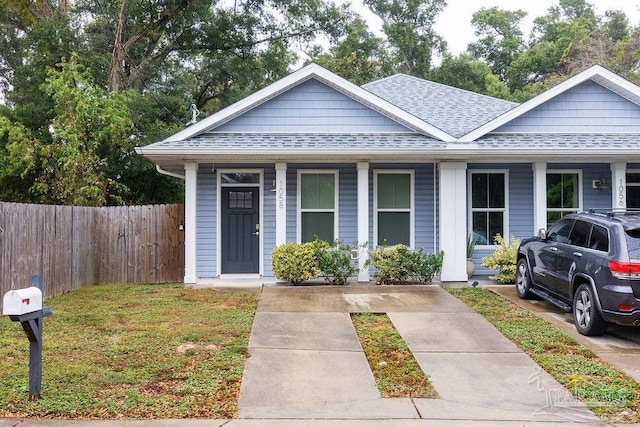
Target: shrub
{"x": 295, "y": 262}
{"x": 503, "y": 259}
{"x": 398, "y": 264}
{"x": 335, "y": 261}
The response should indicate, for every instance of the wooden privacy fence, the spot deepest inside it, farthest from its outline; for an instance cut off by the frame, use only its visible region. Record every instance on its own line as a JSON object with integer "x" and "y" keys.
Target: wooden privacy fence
{"x": 71, "y": 247}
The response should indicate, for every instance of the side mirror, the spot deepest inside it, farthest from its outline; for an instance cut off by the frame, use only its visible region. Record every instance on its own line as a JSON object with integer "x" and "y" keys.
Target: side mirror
{"x": 542, "y": 234}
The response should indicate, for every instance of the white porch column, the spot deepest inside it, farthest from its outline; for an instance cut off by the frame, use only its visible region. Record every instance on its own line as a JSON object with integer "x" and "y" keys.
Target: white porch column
{"x": 190, "y": 219}
{"x": 363, "y": 218}
{"x": 453, "y": 221}
{"x": 539, "y": 196}
{"x": 619, "y": 185}
{"x": 281, "y": 203}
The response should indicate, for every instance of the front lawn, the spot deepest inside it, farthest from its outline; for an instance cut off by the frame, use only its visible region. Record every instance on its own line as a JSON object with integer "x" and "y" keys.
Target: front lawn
{"x": 132, "y": 351}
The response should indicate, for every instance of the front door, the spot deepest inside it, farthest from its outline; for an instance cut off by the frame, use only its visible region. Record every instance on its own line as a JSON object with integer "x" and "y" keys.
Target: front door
{"x": 240, "y": 216}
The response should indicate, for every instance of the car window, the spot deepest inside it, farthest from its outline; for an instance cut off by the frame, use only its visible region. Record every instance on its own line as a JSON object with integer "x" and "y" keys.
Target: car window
{"x": 599, "y": 239}
{"x": 560, "y": 231}
{"x": 633, "y": 243}
{"x": 580, "y": 234}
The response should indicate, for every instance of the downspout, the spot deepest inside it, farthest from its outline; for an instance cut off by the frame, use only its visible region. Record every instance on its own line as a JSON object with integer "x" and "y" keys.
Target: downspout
{"x": 165, "y": 172}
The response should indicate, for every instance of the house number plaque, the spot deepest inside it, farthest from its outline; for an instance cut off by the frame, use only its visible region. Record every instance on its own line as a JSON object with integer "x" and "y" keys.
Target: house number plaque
{"x": 621, "y": 201}
{"x": 280, "y": 195}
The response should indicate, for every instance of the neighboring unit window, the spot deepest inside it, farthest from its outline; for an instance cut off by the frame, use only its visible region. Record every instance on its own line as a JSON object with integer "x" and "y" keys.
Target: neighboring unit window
{"x": 394, "y": 205}
{"x": 488, "y": 206}
{"x": 633, "y": 190}
{"x": 317, "y": 206}
{"x": 563, "y": 195}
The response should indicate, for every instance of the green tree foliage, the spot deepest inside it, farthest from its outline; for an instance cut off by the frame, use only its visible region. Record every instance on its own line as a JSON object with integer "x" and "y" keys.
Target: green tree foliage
{"x": 91, "y": 141}
{"x": 139, "y": 63}
{"x": 501, "y": 39}
{"x": 554, "y": 37}
{"x": 409, "y": 27}
{"x": 467, "y": 72}
{"x": 358, "y": 56}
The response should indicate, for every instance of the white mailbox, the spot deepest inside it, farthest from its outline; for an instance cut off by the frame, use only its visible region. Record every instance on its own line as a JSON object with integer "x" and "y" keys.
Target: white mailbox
{"x": 22, "y": 301}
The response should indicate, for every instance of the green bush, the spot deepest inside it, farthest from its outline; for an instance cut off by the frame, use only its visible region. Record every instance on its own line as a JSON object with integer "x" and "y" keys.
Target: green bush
{"x": 335, "y": 263}
{"x": 397, "y": 264}
{"x": 503, "y": 259}
{"x": 295, "y": 262}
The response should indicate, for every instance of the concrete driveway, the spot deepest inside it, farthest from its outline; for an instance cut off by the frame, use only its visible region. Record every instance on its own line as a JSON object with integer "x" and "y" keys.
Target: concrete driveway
{"x": 306, "y": 361}
{"x": 620, "y": 346}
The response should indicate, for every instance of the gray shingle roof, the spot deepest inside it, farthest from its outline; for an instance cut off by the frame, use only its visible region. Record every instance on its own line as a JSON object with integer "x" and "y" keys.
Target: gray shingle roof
{"x": 215, "y": 140}
{"x": 450, "y": 109}
{"x": 545, "y": 140}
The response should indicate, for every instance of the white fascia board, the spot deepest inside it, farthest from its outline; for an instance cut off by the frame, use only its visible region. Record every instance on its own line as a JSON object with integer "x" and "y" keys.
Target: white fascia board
{"x": 418, "y": 155}
{"x": 596, "y": 73}
{"x": 333, "y": 80}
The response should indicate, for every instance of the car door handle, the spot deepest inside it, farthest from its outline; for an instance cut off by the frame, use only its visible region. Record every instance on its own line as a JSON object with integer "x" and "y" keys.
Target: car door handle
{"x": 578, "y": 254}
{"x": 553, "y": 249}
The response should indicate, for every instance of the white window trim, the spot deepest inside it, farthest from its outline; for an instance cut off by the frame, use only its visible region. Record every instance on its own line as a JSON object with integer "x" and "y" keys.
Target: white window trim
{"x": 336, "y": 204}
{"x": 566, "y": 171}
{"x": 219, "y": 186}
{"x": 411, "y": 209}
{"x": 505, "y": 210}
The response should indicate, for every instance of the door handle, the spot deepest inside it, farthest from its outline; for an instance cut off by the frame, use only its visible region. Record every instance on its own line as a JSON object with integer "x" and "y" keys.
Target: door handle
{"x": 553, "y": 249}
{"x": 257, "y": 233}
{"x": 578, "y": 254}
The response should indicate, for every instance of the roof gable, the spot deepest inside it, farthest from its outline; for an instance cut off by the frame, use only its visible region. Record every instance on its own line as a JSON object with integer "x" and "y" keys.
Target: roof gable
{"x": 326, "y": 77}
{"x": 585, "y": 108}
{"x": 596, "y": 74}
{"x": 455, "y": 111}
{"x": 312, "y": 107}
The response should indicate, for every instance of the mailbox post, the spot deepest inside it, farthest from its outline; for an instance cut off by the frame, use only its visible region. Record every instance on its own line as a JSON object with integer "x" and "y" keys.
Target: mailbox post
{"x": 25, "y": 306}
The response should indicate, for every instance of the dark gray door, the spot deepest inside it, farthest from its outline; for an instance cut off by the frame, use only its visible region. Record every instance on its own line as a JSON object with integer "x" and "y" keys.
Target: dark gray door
{"x": 240, "y": 228}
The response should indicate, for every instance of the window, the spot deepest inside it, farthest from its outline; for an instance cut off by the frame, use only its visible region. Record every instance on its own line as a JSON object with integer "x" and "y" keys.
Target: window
{"x": 599, "y": 240}
{"x": 488, "y": 206}
{"x": 563, "y": 195}
{"x": 317, "y": 201}
{"x": 393, "y": 205}
{"x": 633, "y": 190}
{"x": 580, "y": 234}
{"x": 559, "y": 232}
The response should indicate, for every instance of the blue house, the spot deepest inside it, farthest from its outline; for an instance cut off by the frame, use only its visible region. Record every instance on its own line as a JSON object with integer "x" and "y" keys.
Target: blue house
{"x": 399, "y": 160}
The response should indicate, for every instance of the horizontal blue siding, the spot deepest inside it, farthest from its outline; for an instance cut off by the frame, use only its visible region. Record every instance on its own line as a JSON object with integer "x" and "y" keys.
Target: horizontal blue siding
{"x": 585, "y": 108}
{"x": 312, "y": 107}
{"x": 206, "y": 223}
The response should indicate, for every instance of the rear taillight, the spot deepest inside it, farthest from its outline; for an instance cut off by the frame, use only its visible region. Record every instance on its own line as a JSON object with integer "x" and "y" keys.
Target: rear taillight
{"x": 625, "y": 270}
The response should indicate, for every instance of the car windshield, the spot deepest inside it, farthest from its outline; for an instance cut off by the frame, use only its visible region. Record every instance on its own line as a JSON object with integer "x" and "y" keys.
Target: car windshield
{"x": 633, "y": 243}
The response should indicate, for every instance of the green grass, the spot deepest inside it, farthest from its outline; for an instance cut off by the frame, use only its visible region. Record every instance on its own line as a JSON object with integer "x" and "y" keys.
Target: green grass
{"x": 394, "y": 368}
{"x": 132, "y": 351}
{"x": 609, "y": 393}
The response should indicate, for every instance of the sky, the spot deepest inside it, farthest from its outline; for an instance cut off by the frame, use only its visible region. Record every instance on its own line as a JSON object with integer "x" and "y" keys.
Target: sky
{"x": 454, "y": 24}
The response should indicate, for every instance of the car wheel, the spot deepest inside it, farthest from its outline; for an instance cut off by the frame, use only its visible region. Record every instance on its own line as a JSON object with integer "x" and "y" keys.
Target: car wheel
{"x": 586, "y": 316}
{"x": 523, "y": 280}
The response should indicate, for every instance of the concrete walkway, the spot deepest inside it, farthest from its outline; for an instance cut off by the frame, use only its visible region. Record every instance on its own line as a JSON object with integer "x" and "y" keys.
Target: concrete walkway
{"x": 306, "y": 361}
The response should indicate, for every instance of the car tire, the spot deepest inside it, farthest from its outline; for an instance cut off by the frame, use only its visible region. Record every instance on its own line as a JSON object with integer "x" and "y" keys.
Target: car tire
{"x": 586, "y": 316}
{"x": 523, "y": 280}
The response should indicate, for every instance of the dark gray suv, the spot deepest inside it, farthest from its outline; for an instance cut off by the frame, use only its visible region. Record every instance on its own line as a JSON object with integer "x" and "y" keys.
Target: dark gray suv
{"x": 588, "y": 263}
